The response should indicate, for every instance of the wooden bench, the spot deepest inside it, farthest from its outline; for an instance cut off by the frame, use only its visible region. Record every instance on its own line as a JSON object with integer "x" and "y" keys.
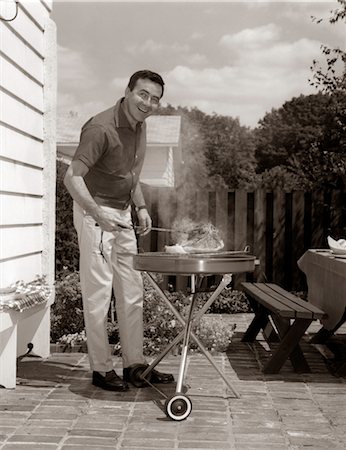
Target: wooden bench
{"x": 286, "y": 316}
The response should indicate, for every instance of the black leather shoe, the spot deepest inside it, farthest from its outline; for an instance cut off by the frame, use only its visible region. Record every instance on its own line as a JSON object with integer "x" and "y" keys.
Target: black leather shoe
{"x": 110, "y": 382}
{"x": 154, "y": 376}
{"x": 161, "y": 378}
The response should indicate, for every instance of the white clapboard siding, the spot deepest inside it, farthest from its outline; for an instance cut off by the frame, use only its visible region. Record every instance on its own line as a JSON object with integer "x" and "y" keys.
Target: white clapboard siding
{"x": 18, "y": 115}
{"x": 20, "y": 179}
{"x": 15, "y": 209}
{"x": 48, "y": 4}
{"x": 15, "y": 81}
{"x": 36, "y": 10}
{"x": 28, "y": 30}
{"x": 20, "y": 147}
{"x": 19, "y": 52}
{"x": 25, "y": 268}
{"x": 20, "y": 241}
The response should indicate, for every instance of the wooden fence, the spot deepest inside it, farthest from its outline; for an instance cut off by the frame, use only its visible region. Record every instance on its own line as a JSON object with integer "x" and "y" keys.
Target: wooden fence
{"x": 278, "y": 226}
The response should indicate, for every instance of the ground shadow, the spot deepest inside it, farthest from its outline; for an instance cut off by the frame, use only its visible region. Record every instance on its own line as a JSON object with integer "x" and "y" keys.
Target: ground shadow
{"x": 65, "y": 371}
{"x": 248, "y": 360}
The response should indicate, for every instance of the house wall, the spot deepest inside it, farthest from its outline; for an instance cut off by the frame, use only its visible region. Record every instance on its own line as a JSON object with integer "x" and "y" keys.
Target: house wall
{"x": 27, "y": 141}
{"x": 156, "y": 167}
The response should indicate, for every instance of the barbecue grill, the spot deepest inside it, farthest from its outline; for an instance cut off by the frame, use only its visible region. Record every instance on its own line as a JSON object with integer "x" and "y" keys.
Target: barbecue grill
{"x": 197, "y": 266}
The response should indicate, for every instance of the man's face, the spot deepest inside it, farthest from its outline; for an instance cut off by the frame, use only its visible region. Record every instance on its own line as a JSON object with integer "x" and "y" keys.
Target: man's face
{"x": 143, "y": 100}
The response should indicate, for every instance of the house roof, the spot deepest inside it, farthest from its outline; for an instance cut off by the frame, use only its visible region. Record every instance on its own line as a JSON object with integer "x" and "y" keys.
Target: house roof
{"x": 161, "y": 130}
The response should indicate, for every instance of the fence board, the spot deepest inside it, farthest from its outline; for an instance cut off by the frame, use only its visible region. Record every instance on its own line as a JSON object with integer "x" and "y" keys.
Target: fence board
{"x": 269, "y": 236}
{"x": 230, "y": 235}
{"x": 297, "y": 236}
{"x": 240, "y": 220}
{"x": 279, "y": 216}
{"x": 317, "y": 219}
{"x": 221, "y": 218}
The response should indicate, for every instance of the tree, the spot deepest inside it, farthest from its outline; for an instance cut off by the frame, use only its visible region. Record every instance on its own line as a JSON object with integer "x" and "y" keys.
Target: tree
{"x": 306, "y": 137}
{"x": 327, "y": 80}
{"x": 218, "y": 152}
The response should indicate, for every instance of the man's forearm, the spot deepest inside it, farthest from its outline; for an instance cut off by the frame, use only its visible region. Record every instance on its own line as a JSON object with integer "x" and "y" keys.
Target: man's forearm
{"x": 138, "y": 198}
{"x": 80, "y": 194}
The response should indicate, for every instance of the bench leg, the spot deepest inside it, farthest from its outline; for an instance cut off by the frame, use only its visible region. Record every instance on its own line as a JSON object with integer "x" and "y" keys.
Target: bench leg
{"x": 323, "y": 334}
{"x": 288, "y": 345}
{"x": 258, "y": 323}
{"x": 296, "y": 356}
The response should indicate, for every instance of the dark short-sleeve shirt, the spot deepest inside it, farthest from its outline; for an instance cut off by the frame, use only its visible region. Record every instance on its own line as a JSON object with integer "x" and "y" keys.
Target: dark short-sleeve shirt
{"x": 114, "y": 154}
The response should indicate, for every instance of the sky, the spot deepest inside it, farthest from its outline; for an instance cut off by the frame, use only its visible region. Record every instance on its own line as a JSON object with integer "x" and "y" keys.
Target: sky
{"x": 238, "y": 59}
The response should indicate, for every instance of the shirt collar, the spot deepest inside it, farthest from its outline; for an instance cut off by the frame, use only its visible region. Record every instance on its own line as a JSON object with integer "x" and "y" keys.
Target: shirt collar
{"x": 121, "y": 120}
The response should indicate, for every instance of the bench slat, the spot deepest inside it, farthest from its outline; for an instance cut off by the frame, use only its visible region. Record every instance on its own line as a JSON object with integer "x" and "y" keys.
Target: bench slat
{"x": 300, "y": 311}
{"x": 289, "y": 302}
{"x": 268, "y": 301}
{"x": 316, "y": 312}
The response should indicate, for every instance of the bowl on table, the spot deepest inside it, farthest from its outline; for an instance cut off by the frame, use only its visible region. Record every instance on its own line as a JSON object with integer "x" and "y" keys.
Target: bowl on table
{"x": 337, "y": 247}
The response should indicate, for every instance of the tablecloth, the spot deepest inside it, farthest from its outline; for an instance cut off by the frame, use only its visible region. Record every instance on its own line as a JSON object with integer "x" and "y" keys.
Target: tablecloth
{"x": 326, "y": 280}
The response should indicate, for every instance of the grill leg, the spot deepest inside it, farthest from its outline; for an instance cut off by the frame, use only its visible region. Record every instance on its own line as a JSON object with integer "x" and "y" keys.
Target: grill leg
{"x": 226, "y": 279}
{"x": 186, "y": 337}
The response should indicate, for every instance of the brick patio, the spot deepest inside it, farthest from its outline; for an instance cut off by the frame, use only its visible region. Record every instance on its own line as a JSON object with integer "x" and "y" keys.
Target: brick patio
{"x": 55, "y": 407}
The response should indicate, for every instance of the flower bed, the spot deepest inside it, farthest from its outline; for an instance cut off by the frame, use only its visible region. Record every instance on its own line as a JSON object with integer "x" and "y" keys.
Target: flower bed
{"x": 160, "y": 324}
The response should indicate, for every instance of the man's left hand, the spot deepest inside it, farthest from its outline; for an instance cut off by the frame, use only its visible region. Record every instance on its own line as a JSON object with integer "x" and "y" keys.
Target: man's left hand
{"x": 144, "y": 221}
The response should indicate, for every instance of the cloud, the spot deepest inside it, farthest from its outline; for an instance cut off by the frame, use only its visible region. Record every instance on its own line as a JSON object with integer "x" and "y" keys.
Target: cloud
{"x": 152, "y": 46}
{"x": 245, "y": 90}
{"x": 251, "y": 38}
{"x": 197, "y": 35}
{"x": 73, "y": 69}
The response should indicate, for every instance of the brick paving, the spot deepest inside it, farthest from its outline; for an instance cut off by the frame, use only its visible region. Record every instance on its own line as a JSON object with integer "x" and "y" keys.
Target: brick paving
{"x": 55, "y": 407}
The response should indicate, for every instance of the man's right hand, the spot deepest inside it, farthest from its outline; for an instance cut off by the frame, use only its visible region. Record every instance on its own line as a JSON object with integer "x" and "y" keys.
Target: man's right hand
{"x": 107, "y": 222}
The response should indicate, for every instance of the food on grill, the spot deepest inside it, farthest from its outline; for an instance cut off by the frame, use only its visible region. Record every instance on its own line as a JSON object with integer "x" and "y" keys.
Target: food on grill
{"x": 195, "y": 238}
{"x": 175, "y": 249}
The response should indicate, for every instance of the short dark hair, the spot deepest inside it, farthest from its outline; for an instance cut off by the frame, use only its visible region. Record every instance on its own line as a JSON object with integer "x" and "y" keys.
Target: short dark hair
{"x": 148, "y": 74}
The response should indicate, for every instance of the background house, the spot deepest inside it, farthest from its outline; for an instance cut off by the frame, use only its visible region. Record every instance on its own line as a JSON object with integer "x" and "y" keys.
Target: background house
{"x": 163, "y": 159}
{"x": 27, "y": 170}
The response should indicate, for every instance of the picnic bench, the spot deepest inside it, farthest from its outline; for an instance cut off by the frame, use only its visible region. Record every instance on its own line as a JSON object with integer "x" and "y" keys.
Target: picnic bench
{"x": 283, "y": 318}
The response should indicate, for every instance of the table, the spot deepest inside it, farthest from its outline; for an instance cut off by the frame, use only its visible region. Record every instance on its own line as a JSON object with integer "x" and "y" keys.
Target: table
{"x": 197, "y": 266}
{"x": 326, "y": 280}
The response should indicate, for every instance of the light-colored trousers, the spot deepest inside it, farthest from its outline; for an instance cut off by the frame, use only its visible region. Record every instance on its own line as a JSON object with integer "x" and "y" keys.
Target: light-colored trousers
{"x": 103, "y": 265}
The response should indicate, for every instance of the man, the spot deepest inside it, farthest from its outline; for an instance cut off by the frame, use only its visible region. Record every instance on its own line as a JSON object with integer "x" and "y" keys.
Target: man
{"x": 103, "y": 182}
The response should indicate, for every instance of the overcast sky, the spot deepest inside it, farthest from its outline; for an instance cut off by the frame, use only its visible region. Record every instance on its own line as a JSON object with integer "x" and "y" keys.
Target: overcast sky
{"x": 233, "y": 58}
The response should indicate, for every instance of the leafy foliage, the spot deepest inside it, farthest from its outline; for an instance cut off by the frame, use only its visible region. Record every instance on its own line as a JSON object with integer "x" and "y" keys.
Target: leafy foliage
{"x": 218, "y": 152}
{"x": 67, "y": 310}
{"x": 306, "y": 138}
{"x": 160, "y": 324}
{"x": 66, "y": 243}
{"x": 331, "y": 80}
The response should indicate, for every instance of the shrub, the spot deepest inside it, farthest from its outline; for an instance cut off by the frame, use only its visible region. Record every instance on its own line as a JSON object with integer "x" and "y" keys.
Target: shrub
{"x": 67, "y": 310}
{"x": 215, "y": 334}
{"x": 160, "y": 324}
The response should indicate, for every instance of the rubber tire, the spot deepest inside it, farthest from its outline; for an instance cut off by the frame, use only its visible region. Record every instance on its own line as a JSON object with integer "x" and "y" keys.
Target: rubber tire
{"x": 135, "y": 374}
{"x": 178, "y": 407}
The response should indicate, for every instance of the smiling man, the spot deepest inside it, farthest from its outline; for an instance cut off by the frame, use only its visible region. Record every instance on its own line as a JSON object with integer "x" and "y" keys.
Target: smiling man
{"x": 103, "y": 180}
